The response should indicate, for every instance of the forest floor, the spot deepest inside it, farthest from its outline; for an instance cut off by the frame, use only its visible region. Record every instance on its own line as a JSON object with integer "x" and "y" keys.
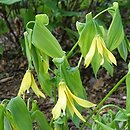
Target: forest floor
{"x": 13, "y": 66}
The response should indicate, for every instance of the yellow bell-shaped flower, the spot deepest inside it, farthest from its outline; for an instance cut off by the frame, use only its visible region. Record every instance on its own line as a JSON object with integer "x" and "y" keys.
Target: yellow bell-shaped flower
{"x": 27, "y": 82}
{"x": 66, "y": 99}
{"x": 99, "y": 46}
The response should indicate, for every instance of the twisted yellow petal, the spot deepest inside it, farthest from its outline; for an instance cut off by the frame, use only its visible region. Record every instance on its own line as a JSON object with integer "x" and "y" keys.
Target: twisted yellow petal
{"x": 56, "y": 111}
{"x": 70, "y": 108}
{"x": 100, "y": 49}
{"x": 80, "y": 101}
{"x": 98, "y": 45}
{"x": 35, "y": 88}
{"x": 61, "y": 103}
{"x": 73, "y": 109}
{"x": 62, "y": 97}
{"x": 109, "y": 56}
{"x": 90, "y": 54}
{"x": 26, "y": 83}
{"x": 77, "y": 113}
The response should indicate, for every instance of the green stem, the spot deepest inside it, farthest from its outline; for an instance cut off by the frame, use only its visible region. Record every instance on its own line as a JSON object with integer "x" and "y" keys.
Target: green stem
{"x": 128, "y": 98}
{"x": 55, "y": 100}
{"x": 50, "y": 68}
{"x": 80, "y": 61}
{"x": 71, "y": 51}
{"x": 103, "y": 100}
{"x": 128, "y": 123}
{"x": 28, "y": 103}
{"x": 66, "y": 123}
{"x": 51, "y": 122}
{"x": 51, "y": 71}
{"x": 101, "y": 13}
{"x": 89, "y": 125}
{"x": 29, "y": 23}
{"x": 111, "y": 105}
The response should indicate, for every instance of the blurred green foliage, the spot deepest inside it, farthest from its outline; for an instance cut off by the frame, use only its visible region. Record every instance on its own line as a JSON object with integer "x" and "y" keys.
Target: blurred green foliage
{"x": 14, "y": 15}
{"x": 1, "y": 49}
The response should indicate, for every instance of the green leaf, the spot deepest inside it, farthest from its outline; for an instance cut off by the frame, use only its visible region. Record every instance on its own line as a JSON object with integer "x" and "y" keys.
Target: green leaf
{"x": 104, "y": 127}
{"x": 122, "y": 49}
{"x": 76, "y": 86}
{"x": 34, "y": 106}
{"x": 86, "y": 32}
{"x": 42, "y": 123}
{"x": 115, "y": 31}
{"x": 59, "y": 126}
{"x": 100, "y": 29}
{"x": 43, "y": 39}
{"x": 96, "y": 63}
{"x": 1, "y": 117}
{"x": 127, "y": 43}
{"x": 71, "y": 75}
{"x": 80, "y": 26}
{"x": 7, "y": 125}
{"x": 41, "y": 67}
{"x": 35, "y": 58}
{"x": 108, "y": 67}
{"x": 20, "y": 114}
{"x": 128, "y": 93}
{"x": 40, "y": 61}
{"x": 44, "y": 78}
{"x": 120, "y": 116}
{"x": 9, "y": 2}
{"x": 27, "y": 46}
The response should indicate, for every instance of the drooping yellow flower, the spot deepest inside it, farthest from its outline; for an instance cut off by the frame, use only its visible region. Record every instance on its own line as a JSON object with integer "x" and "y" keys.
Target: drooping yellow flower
{"x": 66, "y": 99}
{"x": 98, "y": 45}
{"x": 27, "y": 82}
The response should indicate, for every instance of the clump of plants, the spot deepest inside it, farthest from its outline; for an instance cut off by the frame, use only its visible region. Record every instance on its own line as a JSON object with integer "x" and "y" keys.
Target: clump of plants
{"x": 96, "y": 43}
